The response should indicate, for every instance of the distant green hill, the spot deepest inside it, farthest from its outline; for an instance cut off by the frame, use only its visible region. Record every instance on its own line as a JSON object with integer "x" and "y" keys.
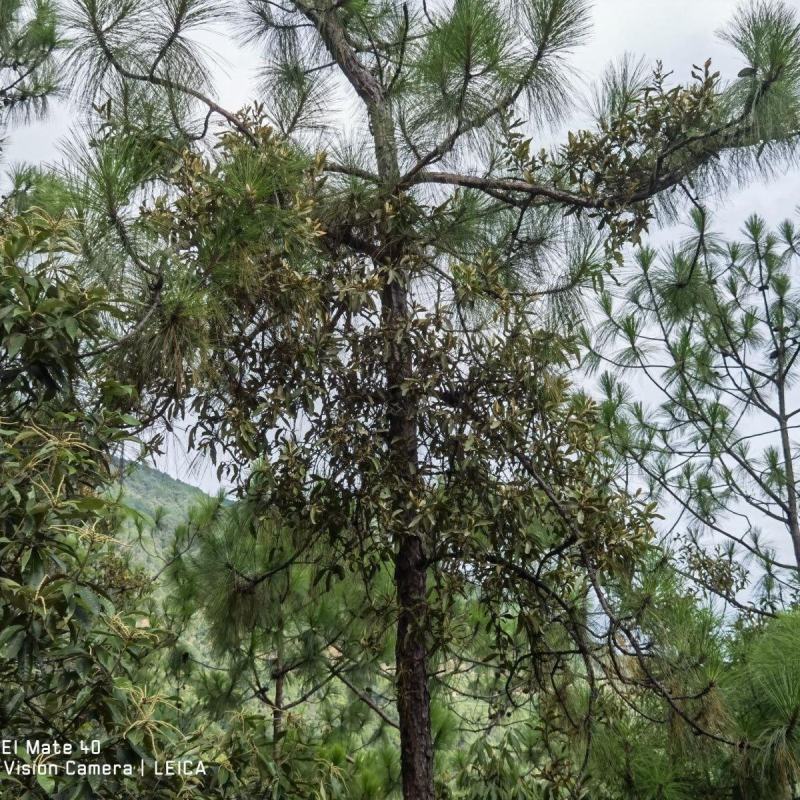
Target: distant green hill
{"x": 146, "y": 489}
{"x": 161, "y": 498}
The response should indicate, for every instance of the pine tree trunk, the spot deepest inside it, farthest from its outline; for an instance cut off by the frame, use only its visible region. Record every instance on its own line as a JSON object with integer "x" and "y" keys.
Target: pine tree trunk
{"x": 784, "y": 423}
{"x": 413, "y": 698}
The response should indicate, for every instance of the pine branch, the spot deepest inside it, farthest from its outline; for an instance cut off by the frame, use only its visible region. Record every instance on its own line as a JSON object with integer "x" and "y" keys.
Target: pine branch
{"x": 165, "y": 83}
{"x": 333, "y": 34}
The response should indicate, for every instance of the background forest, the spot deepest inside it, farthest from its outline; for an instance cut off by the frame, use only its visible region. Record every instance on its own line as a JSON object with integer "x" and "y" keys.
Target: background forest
{"x": 514, "y": 490}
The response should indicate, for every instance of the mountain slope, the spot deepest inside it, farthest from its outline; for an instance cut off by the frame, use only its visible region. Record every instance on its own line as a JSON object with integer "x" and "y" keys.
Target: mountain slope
{"x": 147, "y": 490}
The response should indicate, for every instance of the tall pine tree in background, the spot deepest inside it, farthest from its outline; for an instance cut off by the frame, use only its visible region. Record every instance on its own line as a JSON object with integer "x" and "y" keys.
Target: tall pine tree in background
{"x": 712, "y": 327}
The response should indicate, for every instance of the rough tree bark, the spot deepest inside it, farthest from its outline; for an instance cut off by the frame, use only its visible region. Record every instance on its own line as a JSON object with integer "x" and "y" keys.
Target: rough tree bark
{"x": 413, "y": 699}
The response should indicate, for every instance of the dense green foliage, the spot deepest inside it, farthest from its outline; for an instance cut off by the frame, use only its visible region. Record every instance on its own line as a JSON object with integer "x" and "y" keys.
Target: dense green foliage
{"x": 71, "y": 651}
{"x": 435, "y": 578}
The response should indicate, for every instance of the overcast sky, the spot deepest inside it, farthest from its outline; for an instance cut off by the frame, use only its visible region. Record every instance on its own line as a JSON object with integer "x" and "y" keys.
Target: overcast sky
{"x": 679, "y": 32}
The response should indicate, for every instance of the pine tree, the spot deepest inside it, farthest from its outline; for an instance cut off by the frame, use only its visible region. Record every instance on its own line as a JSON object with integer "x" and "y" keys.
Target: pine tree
{"x": 384, "y": 318}
{"x": 712, "y": 326}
